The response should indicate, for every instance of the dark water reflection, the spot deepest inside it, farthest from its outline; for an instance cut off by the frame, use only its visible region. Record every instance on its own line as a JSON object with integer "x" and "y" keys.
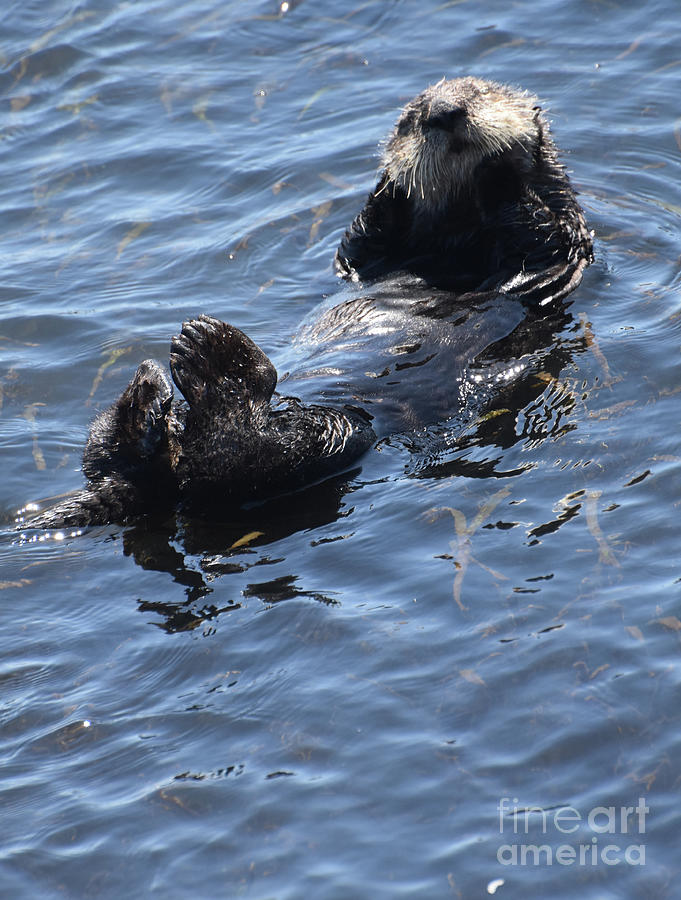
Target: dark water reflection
{"x": 330, "y": 695}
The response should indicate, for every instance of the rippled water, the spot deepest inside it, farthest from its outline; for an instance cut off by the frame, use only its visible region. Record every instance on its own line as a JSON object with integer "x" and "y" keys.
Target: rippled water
{"x": 333, "y": 695}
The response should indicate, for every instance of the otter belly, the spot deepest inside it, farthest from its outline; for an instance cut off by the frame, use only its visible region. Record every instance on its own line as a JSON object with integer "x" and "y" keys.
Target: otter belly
{"x": 406, "y": 353}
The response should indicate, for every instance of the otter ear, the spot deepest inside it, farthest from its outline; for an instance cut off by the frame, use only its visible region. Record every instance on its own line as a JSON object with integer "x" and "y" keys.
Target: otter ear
{"x": 214, "y": 362}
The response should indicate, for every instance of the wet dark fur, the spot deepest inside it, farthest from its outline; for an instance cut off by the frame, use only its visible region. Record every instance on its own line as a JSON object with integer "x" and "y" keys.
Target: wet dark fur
{"x": 236, "y": 443}
{"x": 472, "y": 197}
{"x": 473, "y": 212}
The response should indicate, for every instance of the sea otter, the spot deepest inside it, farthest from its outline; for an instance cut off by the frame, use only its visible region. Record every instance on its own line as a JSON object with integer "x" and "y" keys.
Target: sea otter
{"x": 472, "y": 227}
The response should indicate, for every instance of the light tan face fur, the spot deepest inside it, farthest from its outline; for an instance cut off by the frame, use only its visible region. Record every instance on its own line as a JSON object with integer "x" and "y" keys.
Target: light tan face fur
{"x": 449, "y": 129}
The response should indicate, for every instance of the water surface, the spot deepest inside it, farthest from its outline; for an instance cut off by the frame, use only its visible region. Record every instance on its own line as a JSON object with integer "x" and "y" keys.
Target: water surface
{"x": 332, "y": 696}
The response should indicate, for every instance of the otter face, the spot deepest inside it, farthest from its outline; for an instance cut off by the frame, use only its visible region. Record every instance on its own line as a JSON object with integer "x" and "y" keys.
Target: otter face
{"x": 453, "y": 126}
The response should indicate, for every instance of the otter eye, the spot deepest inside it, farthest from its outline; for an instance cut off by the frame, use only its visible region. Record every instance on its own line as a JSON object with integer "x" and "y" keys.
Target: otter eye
{"x": 444, "y": 116}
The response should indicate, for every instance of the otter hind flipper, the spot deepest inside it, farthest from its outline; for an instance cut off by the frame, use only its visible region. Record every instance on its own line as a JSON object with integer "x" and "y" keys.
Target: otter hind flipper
{"x": 126, "y": 458}
{"x": 212, "y": 361}
{"x": 143, "y": 408}
{"x": 133, "y": 432}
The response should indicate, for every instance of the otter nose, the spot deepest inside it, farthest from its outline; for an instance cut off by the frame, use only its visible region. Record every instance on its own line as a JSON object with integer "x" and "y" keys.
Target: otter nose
{"x": 443, "y": 115}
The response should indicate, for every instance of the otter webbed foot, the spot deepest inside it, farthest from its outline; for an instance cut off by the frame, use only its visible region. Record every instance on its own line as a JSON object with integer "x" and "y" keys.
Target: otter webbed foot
{"x": 143, "y": 409}
{"x": 133, "y": 434}
{"x": 127, "y": 459}
{"x": 213, "y": 362}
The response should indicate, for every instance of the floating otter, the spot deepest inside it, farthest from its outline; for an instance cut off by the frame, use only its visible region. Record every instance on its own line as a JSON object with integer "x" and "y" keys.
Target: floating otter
{"x": 472, "y": 222}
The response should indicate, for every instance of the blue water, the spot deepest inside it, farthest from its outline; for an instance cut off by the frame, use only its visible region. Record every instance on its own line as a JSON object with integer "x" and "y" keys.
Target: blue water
{"x": 333, "y": 696}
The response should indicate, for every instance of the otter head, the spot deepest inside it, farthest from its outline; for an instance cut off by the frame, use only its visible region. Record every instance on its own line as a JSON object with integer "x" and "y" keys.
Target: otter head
{"x": 451, "y": 128}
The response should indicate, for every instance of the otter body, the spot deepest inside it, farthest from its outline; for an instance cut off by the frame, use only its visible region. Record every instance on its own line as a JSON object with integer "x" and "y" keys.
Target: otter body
{"x": 473, "y": 225}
